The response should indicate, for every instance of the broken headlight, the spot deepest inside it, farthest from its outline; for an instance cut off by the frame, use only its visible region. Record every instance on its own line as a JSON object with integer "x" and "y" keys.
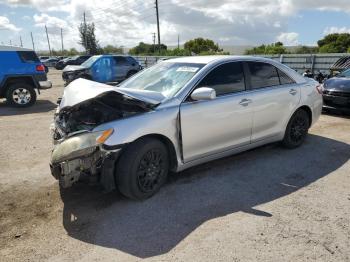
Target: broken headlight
{"x": 80, "y": 145}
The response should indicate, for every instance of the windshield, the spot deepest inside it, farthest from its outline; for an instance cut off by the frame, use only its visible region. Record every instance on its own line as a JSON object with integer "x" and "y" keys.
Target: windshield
{"x": 345, "y": 73}
{"x": 165, "y": 77}
{"x": 90, "y": 61}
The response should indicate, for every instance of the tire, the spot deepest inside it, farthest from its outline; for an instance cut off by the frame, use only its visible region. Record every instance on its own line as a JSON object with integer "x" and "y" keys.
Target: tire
{"x": 21, "y": 95}
{"x": 297, "y": 129}
{"x": 138, "y": 175}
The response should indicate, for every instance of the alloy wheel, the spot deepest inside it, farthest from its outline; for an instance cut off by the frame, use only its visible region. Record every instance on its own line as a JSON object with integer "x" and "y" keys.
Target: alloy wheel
{"x": 21, "y": 96}
{"x": 150, "y": 171}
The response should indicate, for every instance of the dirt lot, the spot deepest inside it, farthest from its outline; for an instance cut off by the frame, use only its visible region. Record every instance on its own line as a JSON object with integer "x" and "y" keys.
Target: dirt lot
{"x": 268, "y": 204}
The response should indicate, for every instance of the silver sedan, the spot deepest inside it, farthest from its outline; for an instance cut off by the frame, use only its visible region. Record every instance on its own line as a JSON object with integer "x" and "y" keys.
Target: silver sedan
{"x": 176, "y": 114}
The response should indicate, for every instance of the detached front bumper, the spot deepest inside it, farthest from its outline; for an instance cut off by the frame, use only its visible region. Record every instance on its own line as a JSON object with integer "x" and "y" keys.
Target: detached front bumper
{"x": 79, "y": 157}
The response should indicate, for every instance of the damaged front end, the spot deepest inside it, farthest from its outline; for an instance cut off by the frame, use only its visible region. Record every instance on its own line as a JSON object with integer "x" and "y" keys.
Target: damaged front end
{"x": 79, "y": 150}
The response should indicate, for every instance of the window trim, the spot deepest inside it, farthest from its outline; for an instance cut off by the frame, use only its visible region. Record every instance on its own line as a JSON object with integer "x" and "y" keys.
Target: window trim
{"x": 185, "y": 100}
{"x": 279, "y": 76}
{"x": 250, "y": 75}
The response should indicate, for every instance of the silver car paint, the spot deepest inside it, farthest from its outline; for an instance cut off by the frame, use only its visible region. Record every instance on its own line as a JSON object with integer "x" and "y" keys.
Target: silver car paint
{"x": 220, "y": 127}
{"x": 81, "y": 90}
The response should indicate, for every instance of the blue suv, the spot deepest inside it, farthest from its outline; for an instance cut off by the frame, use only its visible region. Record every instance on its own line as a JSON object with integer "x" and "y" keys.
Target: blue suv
{"x": 21, "y": 72}
{"x": 103, "y": 69}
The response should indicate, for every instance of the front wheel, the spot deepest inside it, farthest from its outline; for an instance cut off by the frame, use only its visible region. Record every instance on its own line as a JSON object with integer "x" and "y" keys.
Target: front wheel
{"x": 297, "y": 129}
{"x": 142, "y": 168}
{"x": 21, "y": 95}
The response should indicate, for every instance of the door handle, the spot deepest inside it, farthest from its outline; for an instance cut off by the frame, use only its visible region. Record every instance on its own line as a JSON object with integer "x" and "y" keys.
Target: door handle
{"x": 293, "y": 92}
{"x": 245, "y": 102}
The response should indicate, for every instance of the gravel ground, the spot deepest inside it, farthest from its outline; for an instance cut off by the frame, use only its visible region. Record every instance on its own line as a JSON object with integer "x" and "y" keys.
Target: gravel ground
{"x": 268, "y": 204}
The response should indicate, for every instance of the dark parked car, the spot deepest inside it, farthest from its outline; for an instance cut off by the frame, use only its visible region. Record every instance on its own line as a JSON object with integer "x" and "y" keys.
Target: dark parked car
{"x": 75, "y": 60}
{"x": 51, "y": 62}
{"x": 103, "y": 69}
{"x": 336, "y": 92}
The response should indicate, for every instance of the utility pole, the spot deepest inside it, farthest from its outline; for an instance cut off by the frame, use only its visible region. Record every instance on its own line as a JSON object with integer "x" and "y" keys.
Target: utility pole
{"x": 31, "y": 35}
{"x": 178, "y": 41}
{"x": 85, "y": 35}
{"x": 157, "y": 13}
{"x": 62, "y": 40}
{"x": 20, "y": 40}
{"x": 48, "y": 40}
{"x": 154, "y": 42}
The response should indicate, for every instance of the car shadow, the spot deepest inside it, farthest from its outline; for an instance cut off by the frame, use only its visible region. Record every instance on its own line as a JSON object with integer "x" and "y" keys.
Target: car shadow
{"x": 40, "y": 106}
{"x": 237, "y": 183}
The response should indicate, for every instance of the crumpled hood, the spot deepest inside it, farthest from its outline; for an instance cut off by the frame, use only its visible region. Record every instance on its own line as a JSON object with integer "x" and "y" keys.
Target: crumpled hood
{"x": 81, "y": 90}
{"x": 341, "y": 84}
{"x": 73, "y": 68}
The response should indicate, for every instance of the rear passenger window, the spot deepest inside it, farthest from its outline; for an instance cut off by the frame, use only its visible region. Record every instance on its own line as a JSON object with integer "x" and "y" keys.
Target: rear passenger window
{"x": 120, "y": 60}
{"x": 263, "y": 75}
{"x": 28, "y": 56}
{"x": 225, "y": 79}
{"x": 284, "y": 78}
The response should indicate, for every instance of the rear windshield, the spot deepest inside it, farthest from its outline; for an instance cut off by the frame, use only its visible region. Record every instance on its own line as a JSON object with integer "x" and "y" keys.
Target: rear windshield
{"x": 28, "y": 56}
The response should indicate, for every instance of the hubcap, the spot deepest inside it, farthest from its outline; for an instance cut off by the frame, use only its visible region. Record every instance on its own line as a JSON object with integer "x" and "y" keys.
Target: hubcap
{"x": 298, "y": 129}
{"x": 150, "y": 170}
{"x": 21, "y": 96}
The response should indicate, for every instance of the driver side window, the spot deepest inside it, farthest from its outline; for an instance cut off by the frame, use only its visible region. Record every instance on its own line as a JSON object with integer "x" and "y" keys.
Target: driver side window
{"x": 225, "y": 79}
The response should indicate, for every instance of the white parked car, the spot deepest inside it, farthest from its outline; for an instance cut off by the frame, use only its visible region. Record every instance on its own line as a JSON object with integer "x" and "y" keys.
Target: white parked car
{"x": 176, "y": 114}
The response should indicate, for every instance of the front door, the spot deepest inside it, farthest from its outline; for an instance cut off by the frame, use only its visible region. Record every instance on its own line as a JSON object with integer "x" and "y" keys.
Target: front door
{"x": 213, "y": 126}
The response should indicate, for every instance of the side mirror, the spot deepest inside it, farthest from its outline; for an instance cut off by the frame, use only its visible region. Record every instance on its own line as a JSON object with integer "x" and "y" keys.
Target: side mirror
{"x": 203, "y": 93}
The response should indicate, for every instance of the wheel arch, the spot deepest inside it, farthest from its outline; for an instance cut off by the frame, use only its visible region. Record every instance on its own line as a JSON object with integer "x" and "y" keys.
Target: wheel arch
{"x": 307, "y": 109}
{"x": 9, "y": 80}
{"x": 169, "y": 145}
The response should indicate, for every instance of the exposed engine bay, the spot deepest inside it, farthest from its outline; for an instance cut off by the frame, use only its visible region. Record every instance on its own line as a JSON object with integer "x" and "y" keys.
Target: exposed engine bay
{"x": 88, "y": 114}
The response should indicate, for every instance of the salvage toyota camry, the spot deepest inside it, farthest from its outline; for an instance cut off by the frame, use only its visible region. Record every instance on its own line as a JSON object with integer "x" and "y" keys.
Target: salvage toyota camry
{"x": 176, "y": 114}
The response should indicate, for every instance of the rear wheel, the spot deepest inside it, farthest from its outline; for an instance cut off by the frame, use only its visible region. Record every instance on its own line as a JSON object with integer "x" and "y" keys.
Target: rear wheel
{"x": 20, "y": 95}
{"x": 142, "y": 169}
{"x": 297, "y": 129}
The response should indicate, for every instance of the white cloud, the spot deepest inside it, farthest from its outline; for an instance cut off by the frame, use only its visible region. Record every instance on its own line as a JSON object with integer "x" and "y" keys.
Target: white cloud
{"x": 6, "y": 25}
{"x": 289, "y": 39}
{"x": 127, "y": 22}
{"x": 334, "y": 29}
{"x": 50, "y": 21}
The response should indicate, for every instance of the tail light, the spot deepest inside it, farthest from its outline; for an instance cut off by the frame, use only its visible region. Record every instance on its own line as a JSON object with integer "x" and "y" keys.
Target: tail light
{"x": 320, "y": 89}
{"x": 40, "y": 68}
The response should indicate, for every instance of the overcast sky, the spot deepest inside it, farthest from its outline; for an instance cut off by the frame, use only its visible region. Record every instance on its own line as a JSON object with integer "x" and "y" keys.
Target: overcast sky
{"x": 127, "y": 22}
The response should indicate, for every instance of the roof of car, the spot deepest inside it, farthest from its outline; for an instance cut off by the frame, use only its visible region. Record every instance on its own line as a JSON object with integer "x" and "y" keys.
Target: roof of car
{"x": 208, "y": 59}
{"x": 13, "y": 48}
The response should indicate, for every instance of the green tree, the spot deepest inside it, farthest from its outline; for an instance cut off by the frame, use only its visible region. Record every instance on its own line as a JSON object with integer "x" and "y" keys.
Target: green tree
{"x": 88, "y": 39}
{"x": 147, "y": 49}
{"x": 200, "y": 45}
{"x": 306, "y": 50}
{"x": 110, "y": 49}
{"x": 334, "y": 43}
{"x": 272, "y": 49}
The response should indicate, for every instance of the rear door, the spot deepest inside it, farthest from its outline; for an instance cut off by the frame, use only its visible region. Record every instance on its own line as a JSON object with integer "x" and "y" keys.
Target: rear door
{"x": 121, "y": 67}
{"x": 213, "y": 126}
{"x": 275, "y": 96}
